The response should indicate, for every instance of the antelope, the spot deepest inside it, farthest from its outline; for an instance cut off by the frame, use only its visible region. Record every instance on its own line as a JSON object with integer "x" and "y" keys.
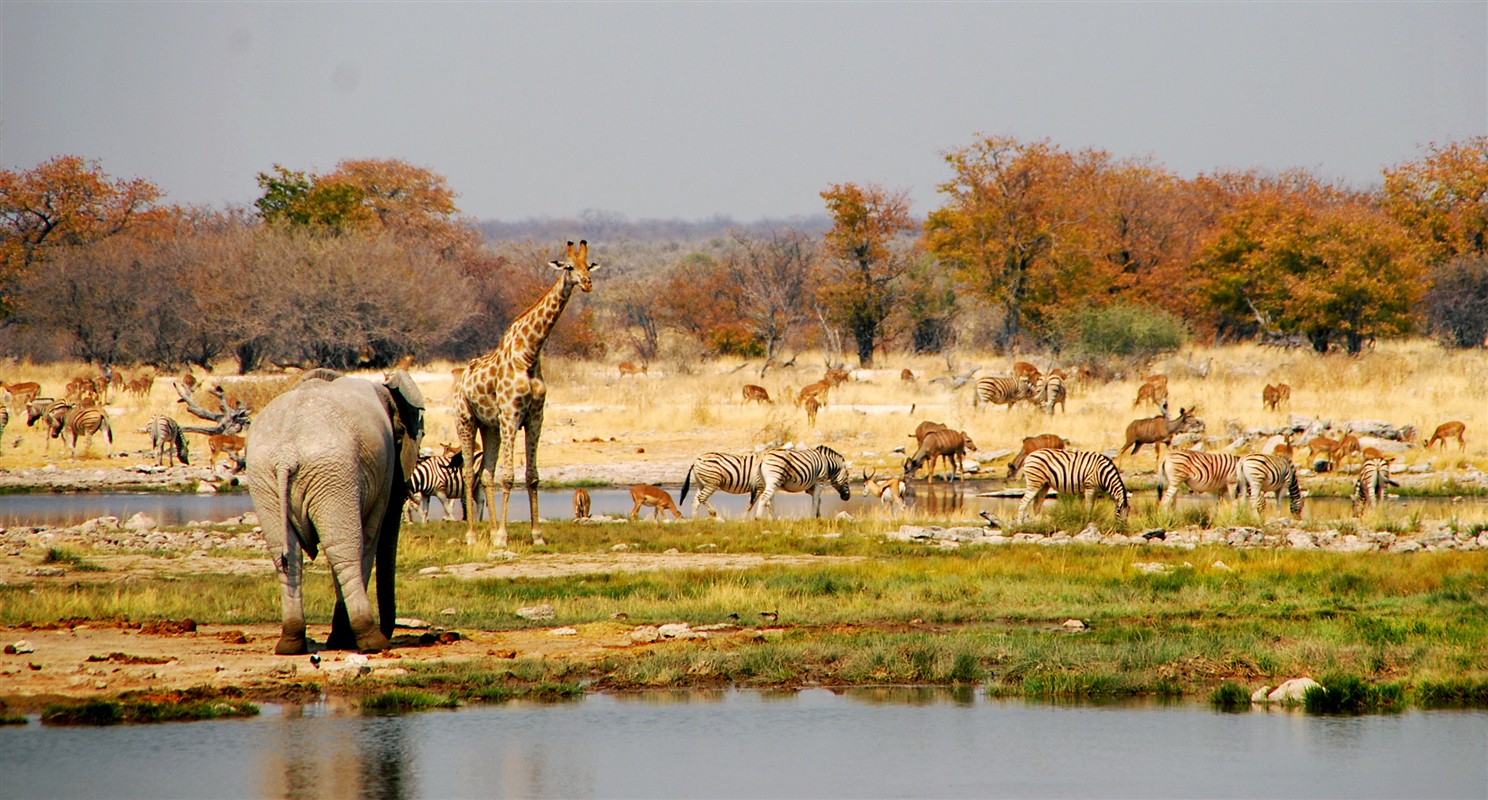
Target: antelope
{"x": 1156, "y": 392}
{"x": 818, "y": 389}
{"x": 1274, "y": 396}
{"x": 756, "y": 393}
{"x": 907, "y": 375}
{"x": 836, "y": 376}
{"x": 646, "y": 495}
{"x": 1043, "y": 441}
{"x": 1448, "y": 430}
{"x": 219, "y": 443}
{"x": 21, "y": 394}
{"x": 1321, "y": 444}
{"x": 1347, "y": 445}
{"x": 627, "y": 368}
{"x": 944, "y": 443}
{"x": 1028, "y": 370}
{"x": 924, "y": 428}
{"x": 812, "y": 405}
{"x": 890, "y": 492}
{"x": 1156, "y": 431}
{"x": 581, "y": 503}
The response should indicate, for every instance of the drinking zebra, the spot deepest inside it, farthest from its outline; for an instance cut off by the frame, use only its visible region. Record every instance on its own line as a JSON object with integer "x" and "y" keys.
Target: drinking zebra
{"x": 167, "y": 440}
{"x": 723, "y": 472}
{"x": 1259, "y": 475}
{"x": 1369, "y": 489}
{"x": 1071, "y": 472}
{"x": 801, "y": 471}
{"x": 1202, "y": 473}
{"x": 1003, "y": 391}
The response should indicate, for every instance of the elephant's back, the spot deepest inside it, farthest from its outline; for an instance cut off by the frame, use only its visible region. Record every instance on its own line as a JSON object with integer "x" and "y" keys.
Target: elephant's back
{"x": 319, "y": 420}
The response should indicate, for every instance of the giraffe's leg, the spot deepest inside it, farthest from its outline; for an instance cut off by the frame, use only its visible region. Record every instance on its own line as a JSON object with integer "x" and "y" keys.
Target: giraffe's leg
{"x": 534, "y": 433}
{"x": 466, "y": 428}
{"x": 507, "y": 433}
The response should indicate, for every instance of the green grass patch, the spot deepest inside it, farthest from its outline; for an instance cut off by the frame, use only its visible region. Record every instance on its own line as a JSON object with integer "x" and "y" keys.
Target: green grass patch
{"x": 1229, "y": 696}
{"x": 61, "y": 555}
{"x": 399, "y": 701}
{"x": 115, "y": 712}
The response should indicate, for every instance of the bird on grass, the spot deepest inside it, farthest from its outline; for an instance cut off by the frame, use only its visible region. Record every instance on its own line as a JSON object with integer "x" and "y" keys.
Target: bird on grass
{"x": 733, "y": 617}
{"x": 770, "y": 616}
{"x": 992, "y": 521}
{"x": 315, "y": 660}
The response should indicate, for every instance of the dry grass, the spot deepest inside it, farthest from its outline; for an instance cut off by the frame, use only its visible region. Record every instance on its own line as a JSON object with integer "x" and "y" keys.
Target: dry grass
{"x": 596, "y": 417}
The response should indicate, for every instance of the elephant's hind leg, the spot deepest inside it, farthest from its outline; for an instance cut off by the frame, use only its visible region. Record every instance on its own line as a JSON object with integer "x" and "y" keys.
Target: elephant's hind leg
{"x": 291, "y": 568}
{"x": 341, "y": 532}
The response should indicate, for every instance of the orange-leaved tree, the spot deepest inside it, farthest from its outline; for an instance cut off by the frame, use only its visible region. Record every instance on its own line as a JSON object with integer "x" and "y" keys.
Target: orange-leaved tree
{"x": 1443, "y": 198}
{"x": 67, "y": 201}
{"x": 863, "y": 260}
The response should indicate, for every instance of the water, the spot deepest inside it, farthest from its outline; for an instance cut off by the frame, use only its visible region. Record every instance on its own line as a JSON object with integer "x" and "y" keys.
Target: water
{"x": 816, "y": 743}
{"x": 950, "y": 502}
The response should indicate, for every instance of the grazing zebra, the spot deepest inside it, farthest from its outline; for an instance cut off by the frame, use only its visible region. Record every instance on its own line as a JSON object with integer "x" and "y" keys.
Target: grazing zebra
{"x": 1202, "y": 473}
{"x": 1051, "y": 392}
{"x": 1003, "y": 391}
{"x": 82, "y": 422}
{"x": 45, "y": 408}
{"x": 166, "y": 439}
{"x": 1260, "y": 475}
{"x": 723, "y": 472}
{"x": 801, "y": 471}
{"x": 4, "y": 420}
{"x": 1071, "y": 472}
{"x": 1374, "y": 476}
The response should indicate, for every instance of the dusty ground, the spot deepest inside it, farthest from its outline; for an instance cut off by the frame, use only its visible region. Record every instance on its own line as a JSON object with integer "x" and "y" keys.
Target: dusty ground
{"x": 93, "y": 658}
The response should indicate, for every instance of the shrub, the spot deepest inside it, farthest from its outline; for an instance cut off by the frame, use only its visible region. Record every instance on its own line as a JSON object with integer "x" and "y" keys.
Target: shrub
{"x": 1456, "y": 305}
{"x": 1137, "y": 333}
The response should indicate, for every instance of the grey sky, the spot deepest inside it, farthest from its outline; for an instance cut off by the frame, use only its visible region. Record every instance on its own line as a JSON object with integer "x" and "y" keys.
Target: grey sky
{"x": 690, "y": 109}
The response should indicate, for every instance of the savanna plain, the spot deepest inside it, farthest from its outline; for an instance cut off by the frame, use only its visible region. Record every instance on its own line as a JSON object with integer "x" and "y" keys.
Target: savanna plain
{"x": 159, "y": 626}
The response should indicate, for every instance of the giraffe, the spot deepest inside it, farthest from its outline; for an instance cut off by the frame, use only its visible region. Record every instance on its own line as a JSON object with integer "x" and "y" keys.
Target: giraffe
{"x": 502, "y": 392}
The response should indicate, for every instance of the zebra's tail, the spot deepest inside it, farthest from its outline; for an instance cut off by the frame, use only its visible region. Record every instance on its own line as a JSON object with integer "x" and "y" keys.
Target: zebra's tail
{"x": 686, "y": 484}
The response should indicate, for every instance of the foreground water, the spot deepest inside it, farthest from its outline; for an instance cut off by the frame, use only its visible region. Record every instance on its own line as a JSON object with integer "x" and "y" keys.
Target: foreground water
{"x": 815, "y": 743}
{"x": 952, "y": 503}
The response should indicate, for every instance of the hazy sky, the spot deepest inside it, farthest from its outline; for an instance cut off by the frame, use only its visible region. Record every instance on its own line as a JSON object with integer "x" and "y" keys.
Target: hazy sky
{"x": 750, "y": 110}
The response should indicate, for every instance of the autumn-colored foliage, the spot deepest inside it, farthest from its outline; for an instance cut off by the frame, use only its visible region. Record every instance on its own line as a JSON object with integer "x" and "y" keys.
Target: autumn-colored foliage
{"x": 863, "y": 263}
{"x": 1443, "y": 198}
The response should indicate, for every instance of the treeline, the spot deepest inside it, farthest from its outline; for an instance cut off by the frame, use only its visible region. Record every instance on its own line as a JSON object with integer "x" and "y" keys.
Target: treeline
{"x": 1031, "y": 246}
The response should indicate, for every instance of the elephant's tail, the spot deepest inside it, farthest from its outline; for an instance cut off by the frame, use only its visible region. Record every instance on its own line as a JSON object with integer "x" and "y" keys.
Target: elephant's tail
{"x": 282, "y": 476}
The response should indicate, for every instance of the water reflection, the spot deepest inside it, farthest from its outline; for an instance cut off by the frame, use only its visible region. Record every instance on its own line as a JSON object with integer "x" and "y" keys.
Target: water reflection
{"x": 368, "y": 757}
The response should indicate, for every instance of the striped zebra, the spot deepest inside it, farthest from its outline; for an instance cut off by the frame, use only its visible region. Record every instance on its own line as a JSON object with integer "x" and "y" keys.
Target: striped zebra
{"x": 1202, "y": 473}
{"x": 801, "y": 471}
{"x": 723, "y": 472}
{"x": 4, "y": 420}
{"x": 998, "y": 391}
{"x": 441, "y": 476}
{"x": 1369, "y": 489}
{"x": 167, "y": 440}
{"x": 1071, "y": 472}
{"x": 1051, "y": 392}
{"x": 77, "y": 422}
{"x": 1260, "y": 475}
{"x": 46, "y": 408}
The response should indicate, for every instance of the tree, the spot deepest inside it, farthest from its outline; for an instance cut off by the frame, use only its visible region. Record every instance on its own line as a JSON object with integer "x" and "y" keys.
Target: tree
{"x": 862, "y": 261}
{"x": 1008, "y": 222}
{"x": 768, "y": 280}
{"x": 67, "y": 202}
{"x": 1443, "y": 198}
{"x": 1456, "y": 305}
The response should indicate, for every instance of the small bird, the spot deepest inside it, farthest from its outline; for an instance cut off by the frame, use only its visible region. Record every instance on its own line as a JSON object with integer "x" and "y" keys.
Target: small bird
{"x": 992, "y": 521}
{"x": 619, "y": 615}
{"x": 770, "y": 616}
{"x": 315, "y": 660}
{"x": 733, "y": 617}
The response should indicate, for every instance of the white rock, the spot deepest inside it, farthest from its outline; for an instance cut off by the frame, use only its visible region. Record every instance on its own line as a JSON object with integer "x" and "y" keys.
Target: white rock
{"x": 410, "y": 622}
{"x": 1075, "y": 625}
{"x": 205, "y": 488}
{"x": 448, "y": 611}
{"x": 1259, "y": 695}
{"x": 673, "y": 630}
{"x": 23, "y": 646}
{"x": 431, "y": 570}
{"x": 141, "y": 522}
{"x": 1221, "y": 566}
{"x": 543, "y": 611}
{"x": 1301, "y": 540}
{"x": 1293, "y": 691}
{"x": 619, "y": 547}
{"x": 645, "y": 634}
{"x": 564, "y": 632}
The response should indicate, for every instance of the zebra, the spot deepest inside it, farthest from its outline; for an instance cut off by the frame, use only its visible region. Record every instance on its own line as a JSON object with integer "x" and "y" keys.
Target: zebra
{"x": 723, "y": 472}
{"x": 1070, "y": 472}
{"x": 81, "y": 422}
{"x": 48, "y": 409}
{"x": 801, "y": 471}
{"x": 1003, "y": 391}
{"x": 4, "y": 420}
{"x": 1051, "y": 392}
{"x": 1259, "y": 475}
{"x": 441, "y": 476}
{"x": 1374, "y": 476}
{"x": 166, "y": 438}
{"x": 1201, "y": 472}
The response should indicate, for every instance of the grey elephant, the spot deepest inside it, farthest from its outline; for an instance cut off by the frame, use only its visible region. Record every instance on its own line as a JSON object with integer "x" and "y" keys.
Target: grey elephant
{"x": 328, "y": 465}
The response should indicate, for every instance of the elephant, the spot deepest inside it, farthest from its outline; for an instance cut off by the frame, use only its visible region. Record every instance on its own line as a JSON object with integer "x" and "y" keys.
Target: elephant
{"x": 328, "y": 466}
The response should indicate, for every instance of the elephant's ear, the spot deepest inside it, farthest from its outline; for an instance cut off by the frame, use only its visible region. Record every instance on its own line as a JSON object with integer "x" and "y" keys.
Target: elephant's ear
{"x": 407, "y": 416}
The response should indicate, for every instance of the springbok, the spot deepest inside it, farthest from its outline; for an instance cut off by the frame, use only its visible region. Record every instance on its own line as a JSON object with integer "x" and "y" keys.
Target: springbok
{"x": 890, "y": 492}
{"x": 581, "y": 503}
{"x": 756, "y": 393}
{"x": 1448, "y": 430}
{"x": 627, "y": 368}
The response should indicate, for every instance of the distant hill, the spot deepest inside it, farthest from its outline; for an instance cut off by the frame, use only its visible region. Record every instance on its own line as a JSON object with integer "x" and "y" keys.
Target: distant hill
{"x": 601, "y": 226}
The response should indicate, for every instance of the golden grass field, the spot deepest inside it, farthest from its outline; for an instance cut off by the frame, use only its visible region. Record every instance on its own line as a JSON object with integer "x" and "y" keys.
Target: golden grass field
{"x": 595, "y": 417}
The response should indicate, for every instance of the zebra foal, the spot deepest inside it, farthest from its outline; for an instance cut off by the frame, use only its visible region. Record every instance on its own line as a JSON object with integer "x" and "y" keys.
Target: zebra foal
{"x": 1071, "y": 472}
{"x": 723, "y": 472}
{"x": 801, "y": 471}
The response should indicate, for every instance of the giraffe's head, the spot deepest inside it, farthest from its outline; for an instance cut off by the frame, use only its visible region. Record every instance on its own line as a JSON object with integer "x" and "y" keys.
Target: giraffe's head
{"x": 576, "y": 263}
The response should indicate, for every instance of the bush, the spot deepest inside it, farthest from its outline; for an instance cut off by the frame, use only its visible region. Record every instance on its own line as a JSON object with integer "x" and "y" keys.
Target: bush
{"x": 1138, "y": 333}
{"x": 1457, "y": 303}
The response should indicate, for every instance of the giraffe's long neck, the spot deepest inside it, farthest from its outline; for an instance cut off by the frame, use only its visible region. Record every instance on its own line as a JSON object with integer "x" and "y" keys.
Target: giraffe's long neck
{"x": 530, "y": 331}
